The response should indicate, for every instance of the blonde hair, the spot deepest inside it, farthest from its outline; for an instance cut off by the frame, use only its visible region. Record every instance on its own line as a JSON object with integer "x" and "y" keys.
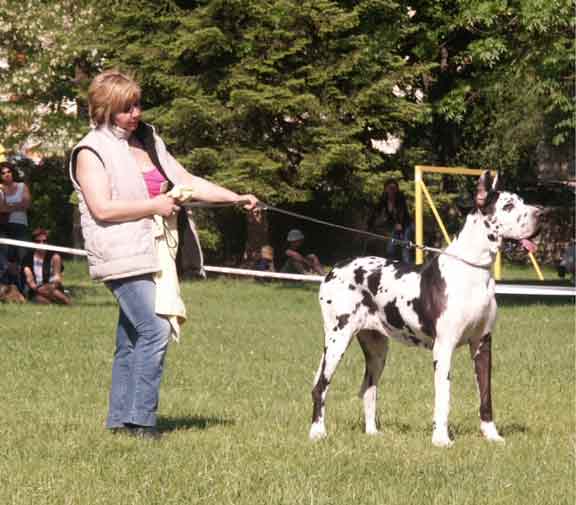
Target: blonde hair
{"x": 109, "y": 93}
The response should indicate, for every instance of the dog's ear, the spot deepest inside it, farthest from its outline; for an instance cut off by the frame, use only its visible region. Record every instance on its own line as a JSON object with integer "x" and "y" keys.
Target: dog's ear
{"x": 482, "y": 187}
{"x": 486, "y": 183}
{"x": 495, "y": 181}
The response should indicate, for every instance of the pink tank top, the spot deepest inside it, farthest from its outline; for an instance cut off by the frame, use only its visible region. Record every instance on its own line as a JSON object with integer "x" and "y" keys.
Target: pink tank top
{"x": 154, "y": 180}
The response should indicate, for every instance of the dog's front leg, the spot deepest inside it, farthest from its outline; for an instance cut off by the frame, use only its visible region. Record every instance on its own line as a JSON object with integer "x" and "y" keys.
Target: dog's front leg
{"x": 482, "y": 356}
{"x": 442, "y": 353}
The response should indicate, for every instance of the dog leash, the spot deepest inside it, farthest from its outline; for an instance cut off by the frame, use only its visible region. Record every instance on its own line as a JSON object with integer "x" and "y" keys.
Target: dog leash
{"x": 264, "y": 206}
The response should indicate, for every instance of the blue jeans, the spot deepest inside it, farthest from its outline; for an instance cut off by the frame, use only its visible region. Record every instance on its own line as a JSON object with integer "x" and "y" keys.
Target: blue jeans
{"x": 392, "y": 248}
{"x": 141, "y": 344}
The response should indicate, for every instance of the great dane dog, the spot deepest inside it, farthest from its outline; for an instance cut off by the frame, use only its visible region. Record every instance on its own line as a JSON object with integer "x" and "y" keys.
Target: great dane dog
{"x": 447, "y": 303}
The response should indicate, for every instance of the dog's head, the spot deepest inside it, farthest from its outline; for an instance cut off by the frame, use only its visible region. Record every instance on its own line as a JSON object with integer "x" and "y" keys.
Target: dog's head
{"x": 506, "y": 216}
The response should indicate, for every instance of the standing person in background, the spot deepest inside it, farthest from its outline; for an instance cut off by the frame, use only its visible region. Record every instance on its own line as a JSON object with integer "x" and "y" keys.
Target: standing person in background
{"x": 391, "y": 219}
{"x": 42, "y": 272}
{"x": 120, "y": 170}
{"x": 15, "y": 202}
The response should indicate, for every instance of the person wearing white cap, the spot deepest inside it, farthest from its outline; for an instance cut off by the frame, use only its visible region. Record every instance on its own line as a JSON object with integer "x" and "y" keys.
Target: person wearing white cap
{"x": 297, "y": 261}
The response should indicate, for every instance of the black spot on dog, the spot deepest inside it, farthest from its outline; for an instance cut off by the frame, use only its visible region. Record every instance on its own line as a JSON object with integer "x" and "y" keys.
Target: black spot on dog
{"x": 509, "y": 207}
{"x": 486, "y": 224}
{"x": 431, "y": 303}
{"x": 435, "y": 364}
{"x": 331, "y": 275}
{"x": 351, "y": 287}
{"x": 359, "y": 275}
{"x": 491, "y": 237}
{"x": 343, "y": 263}
{"x": 342, "y": 321}
{"x": 393, "y": 315}
{"x": 318, "y": 391}
{"x": 404, "y": 269}
{"x": 368, "y": 302}
{"x": 328, "y": 302}
{"x": 489, "y": 206}
{"x": 374, "y": 281}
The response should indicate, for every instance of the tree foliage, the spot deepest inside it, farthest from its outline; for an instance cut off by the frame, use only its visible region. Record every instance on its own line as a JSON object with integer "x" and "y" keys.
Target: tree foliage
{"x": 281, "y": 98}
{"x": 292, "y": 100}
{"x": 504, "y": 82}
{"x": 39, "y": 74}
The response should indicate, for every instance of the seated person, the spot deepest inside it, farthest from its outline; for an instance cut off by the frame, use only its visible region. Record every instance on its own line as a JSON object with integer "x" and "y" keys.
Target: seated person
{"x": 298, "y": 261}
{"x": 265, "y": 260}
{"x": 11, "y": 286}
{"x": 567, "y": 264}
{"x": 43, "y": 273}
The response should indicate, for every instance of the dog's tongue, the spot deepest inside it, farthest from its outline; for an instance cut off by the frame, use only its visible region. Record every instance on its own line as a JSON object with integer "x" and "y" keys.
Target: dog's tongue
{"x": 528, "y": 245}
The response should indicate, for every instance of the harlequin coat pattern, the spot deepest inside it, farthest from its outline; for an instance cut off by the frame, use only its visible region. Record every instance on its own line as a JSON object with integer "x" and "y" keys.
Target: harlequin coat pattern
{"x": 447, "y": 303}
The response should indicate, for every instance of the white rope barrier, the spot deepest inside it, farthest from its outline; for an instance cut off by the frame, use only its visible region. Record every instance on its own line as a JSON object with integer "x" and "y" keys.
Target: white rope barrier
{"x": 264, "y": 273}
{"x": 44, "y": 247}
{"x": 503, "y": 289}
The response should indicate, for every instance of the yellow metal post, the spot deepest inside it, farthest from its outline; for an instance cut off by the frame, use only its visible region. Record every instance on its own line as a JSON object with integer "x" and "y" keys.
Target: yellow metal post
{"x": 418, "y": 215}
{"x": 536, "y": 266}
{"x": 435, "y": 212}
{"x": 498, "y": 266}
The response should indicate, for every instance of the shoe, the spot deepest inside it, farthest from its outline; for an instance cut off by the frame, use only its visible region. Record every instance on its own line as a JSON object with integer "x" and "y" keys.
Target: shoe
{"x": 120, "y": 430}
{"x": 144, "y": 432}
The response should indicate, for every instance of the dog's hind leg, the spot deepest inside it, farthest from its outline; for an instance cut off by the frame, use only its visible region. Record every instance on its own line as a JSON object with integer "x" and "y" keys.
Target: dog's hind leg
{"x": 482, "y": 355}
{"x": 375, "y": 347}
{"x": 337, "y": 341}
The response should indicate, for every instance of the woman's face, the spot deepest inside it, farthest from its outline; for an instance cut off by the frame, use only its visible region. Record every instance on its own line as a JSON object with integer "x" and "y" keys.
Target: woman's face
{"x": 392, "y": 189}
{"x": 7, "y": 176}
{"x": 129, "y": 119}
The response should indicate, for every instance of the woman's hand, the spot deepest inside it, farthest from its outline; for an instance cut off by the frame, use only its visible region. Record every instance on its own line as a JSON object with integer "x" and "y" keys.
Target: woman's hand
{"x": 251, "y": 200}
{"x": 165, "y": 205}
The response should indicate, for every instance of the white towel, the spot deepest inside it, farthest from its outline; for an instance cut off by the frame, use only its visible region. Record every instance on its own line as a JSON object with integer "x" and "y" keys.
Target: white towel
{"x": 169, "y": 303}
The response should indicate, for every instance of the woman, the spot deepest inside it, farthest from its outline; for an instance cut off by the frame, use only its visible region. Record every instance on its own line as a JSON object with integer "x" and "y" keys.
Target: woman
{"x": 392, "y": 219}
{"x": 120, "y": 171}
{"x": 15, "y": 202}
{"x": 43, "y": 273}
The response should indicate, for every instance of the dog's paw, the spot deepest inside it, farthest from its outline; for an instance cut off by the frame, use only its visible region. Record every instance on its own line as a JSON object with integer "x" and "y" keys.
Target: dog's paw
{"x": 491, "y": 433}
{"x": 317, "y": 432}
{"x": 442, "y": 440}
{"x": 373, "y": 432}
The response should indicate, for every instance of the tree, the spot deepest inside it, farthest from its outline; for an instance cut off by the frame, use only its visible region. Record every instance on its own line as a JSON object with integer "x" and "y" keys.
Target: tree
{"x": 280, "y": 98}
{"x": 504, "y": 80}
{"x": 40, "y": 72}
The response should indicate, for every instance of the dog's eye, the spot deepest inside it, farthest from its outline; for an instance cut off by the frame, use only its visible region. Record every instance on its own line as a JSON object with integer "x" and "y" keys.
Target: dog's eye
{"x": 508, "y": 207}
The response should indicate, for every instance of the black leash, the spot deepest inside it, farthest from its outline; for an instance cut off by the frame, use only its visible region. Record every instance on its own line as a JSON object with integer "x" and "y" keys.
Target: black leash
{"x": 265, "y": 206}
{"x": 405, "y": 243}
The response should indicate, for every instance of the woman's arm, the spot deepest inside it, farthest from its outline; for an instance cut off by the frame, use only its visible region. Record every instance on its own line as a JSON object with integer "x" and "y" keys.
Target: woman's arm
{"x": 207, "y": 191}
{"x": 25, "y": 202}
{"x": 21, "y": 205}
{"x": 94, "y": 184}
{"x": 29, "y": 277}
{"x": 3, "y": 204}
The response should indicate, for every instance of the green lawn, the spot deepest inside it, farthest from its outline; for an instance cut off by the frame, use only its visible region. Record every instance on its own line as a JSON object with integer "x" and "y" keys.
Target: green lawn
{"x": 236, "y": 406}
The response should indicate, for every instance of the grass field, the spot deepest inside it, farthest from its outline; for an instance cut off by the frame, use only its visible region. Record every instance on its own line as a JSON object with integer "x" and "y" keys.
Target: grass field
{"x": 235, "y": 408}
